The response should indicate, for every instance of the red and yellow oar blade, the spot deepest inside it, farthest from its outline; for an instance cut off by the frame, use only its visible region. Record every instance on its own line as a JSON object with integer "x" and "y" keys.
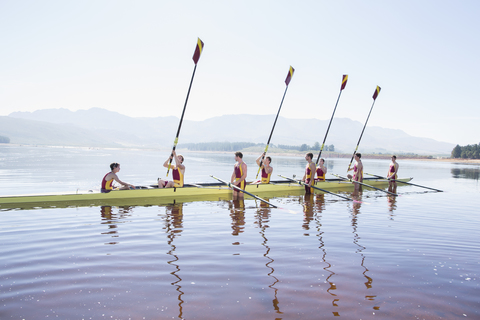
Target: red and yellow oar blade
{"x": 375, "y": 94}
{"x": 289, "y": 75}
{"x": 344, "y": 81}
{"x": 198, "y": 51}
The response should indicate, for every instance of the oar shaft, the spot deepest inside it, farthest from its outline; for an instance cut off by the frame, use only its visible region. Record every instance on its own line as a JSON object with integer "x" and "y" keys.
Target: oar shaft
{"x": 273, "y": 128}
{"x": 377, "y": 91}
{"x": 396, "y": 180}
{"x": 181, "y": 119}
{"x": 364, "y": 184}
{"x": 361, "y": 134}
{"x": 328, "y": 128}
{"x": 314, "y": 187}
{"x": 231, "y": 185}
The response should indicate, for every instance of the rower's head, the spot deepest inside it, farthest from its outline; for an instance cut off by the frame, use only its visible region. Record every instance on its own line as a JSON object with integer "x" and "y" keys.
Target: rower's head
{"x": 114, "y": 165}
{"x": 268, "y": 160}
{"x": 238, "y": 155}
{"x": 309, "y": 156}
{"x": 358, "y": 155}
{"x": 180, "y": 157}
{"x": 394, "y": 157}
{"x": 322, "y": 161}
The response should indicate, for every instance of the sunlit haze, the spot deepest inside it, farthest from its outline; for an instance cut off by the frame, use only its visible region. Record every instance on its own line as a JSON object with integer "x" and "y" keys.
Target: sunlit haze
{"x": 135, "y": 57}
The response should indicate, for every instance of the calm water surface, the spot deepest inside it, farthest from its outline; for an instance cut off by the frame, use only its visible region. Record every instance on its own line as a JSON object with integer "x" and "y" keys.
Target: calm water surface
{"x": 412, "y": 257}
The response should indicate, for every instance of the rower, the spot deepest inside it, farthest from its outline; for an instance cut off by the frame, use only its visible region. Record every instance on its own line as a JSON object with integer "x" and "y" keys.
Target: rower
{"x": 265, "y": 167}
{"x": 392, "y": 174}
{"x": 309, "y": 176}
{"x": 321, "y": 170}
{"x": 239, "y": 175}
{"x": 178, "y": 171}
{"x": 112, "y": 175}
{"x": 357, "y": 171}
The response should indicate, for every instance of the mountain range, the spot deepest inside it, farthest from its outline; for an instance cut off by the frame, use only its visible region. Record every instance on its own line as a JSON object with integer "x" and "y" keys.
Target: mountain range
{"x": 97, "y": 127}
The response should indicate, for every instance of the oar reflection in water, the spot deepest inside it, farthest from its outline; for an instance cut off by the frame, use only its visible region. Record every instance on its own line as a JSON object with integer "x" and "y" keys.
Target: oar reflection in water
{"x": 173, "y": 227}
{"x": 313, "y": 207}
{"x": 355, "y": 215}
{"x": 263, "y": 218}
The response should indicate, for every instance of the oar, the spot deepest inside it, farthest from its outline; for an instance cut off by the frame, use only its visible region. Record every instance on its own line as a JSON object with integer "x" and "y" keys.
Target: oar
{"x": 344, "y": 83}
{"x": 287, "y": 81}
{"x": 375, "y": 94}
{"x": 231, "y": 185}
{"x": 196, "y": 56}
{"x": 326, "y": 191}
{"x": 364, "y": 184}
{"x": 412, "y": 184}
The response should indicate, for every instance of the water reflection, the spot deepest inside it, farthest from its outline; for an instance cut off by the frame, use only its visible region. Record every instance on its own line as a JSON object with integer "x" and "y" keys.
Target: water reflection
{"x": 355, "y": 214}
{"x": 263, "y": 218}
{"x": 174, "y": 227}
{"x": 237, "y": 213}
{"x": 392, "y": 203}
{"x": 466, "y": 173}
{"x": 111, "y": 219}
{"x": 308, "y": 210}
{"x": 317, "y": 210}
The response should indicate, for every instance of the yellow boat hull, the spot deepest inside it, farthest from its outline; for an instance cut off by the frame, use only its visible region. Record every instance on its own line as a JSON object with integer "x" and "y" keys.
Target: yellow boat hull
{"x": 155, "y": 196}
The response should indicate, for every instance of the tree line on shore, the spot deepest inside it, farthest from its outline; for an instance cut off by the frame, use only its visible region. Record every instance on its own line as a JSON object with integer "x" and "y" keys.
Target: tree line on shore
{"x": 236, "y": 146}
{"x": 471, "y": 151}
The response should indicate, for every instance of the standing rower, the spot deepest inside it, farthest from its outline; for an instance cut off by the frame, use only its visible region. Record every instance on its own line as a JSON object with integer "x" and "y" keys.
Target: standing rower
{"x": 107, "y": 181}
{"x": 392, "y": 174}
{"x": 178, "y": 171}
{"x": 239, "y": 175}
{"x": 309, "y": 175}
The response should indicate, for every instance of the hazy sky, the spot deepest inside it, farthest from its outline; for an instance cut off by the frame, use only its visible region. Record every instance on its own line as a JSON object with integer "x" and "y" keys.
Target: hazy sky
{"x": 135, "y": 57}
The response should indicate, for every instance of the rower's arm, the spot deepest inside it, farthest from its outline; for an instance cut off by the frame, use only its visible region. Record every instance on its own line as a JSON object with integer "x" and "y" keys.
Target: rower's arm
{"x": 260, "y": 158}
{"x": 123, "y": 183}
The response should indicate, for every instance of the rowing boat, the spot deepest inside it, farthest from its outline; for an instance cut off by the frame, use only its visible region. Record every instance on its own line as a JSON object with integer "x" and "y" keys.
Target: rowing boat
{"x": 152, "y": 195}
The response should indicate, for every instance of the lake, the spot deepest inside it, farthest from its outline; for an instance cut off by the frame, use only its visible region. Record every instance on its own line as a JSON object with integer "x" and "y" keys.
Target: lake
{"x": 415, "y": 256}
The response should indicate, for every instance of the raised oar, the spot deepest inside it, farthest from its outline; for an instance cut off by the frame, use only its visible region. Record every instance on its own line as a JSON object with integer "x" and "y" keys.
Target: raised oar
{"x": 231, "y": 185}
{"x": 364, "y": 184}
{"x": 196, "y": 56}
{"x": 287, "y": 81}
{"x": 344, "y": 83}
{"x": 326, "y": 191}
{"x": 375, "y": 94}
{"x": 412, "y": 184}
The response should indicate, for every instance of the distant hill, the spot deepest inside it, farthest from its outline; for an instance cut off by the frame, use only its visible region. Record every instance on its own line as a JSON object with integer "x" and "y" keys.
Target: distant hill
{"x": 99, "y": 128}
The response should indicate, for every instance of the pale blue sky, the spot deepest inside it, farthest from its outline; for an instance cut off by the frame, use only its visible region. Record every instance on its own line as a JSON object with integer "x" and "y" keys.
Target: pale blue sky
{"x": 135, "y": 57}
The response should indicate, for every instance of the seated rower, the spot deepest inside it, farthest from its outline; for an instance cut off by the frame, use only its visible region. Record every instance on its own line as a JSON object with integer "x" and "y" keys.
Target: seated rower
{"x": 265, "y": 167}
{"x": 321, "y": 170}
{"x": 178, "y": 171}
{"x": 112, "y": 175}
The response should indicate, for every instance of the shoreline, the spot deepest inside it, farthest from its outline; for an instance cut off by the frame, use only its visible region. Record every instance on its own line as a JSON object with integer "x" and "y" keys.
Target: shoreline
{"x": 326, "y": 154}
